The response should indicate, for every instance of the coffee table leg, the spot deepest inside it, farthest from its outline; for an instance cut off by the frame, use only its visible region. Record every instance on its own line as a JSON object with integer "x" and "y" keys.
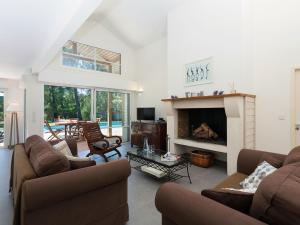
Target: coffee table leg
{"x": 188, "y": 173}
{"x": 169, "y": 175}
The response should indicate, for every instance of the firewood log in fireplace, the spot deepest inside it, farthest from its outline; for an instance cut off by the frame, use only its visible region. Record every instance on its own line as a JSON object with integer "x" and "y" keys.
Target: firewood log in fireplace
{"x": 205, "y": 132}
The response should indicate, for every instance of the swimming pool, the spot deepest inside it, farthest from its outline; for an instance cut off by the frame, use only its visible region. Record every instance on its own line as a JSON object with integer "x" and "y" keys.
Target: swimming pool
{"x": 101, "y": 124}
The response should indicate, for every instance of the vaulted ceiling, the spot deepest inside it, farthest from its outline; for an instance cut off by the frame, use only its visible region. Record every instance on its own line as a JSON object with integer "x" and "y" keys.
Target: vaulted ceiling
{"x": 33, "y": 31}
{"x": 137, "y": 22}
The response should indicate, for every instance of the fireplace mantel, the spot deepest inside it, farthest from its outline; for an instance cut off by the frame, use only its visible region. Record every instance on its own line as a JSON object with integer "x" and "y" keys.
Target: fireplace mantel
{"x": 240, "y": 114}
{"x": 209, "y": 97}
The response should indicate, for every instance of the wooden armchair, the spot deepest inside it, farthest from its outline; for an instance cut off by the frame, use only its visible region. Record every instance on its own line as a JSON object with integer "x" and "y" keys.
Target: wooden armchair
{"x": 99, "y": 143}
{"x": 76, "y": 131}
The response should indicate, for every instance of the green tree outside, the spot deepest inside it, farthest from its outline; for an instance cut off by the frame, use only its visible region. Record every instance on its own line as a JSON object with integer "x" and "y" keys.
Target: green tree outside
{"x": 66, "y": 103}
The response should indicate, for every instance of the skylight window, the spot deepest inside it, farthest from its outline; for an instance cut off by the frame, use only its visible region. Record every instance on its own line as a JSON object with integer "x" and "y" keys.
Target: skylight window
{"x": 87, "y": 57}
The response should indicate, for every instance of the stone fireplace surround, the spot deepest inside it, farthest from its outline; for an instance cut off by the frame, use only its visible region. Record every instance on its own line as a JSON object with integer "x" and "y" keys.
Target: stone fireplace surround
{"x": 240, "y": 113}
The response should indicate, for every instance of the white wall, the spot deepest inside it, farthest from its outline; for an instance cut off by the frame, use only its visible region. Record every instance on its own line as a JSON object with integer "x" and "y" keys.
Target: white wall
{"x": 202, "y": 29}
{"x": 276, "y": 53}
{"x": 13, "y": 94}
{"x": 254, "y": 43}
{"x": 152, "y": 76}
{"x": 34, "y": 105}
{"x": 94, "y": 34}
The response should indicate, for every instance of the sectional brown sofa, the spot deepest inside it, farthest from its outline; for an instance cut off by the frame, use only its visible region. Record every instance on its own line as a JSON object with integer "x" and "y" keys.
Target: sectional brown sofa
{"x": 276, "y": 201}
{"x": 48, "y": 189}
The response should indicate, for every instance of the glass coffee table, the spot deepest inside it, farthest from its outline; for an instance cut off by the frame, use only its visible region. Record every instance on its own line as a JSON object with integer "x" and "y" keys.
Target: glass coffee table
{"x": 152, "y": 164}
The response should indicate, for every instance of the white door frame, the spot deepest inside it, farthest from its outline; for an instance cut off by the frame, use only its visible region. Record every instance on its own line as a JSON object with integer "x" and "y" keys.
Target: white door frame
{"x": 94, "y": 99}
{"x": 4, "y": 90}
{"x": 293, "y": 105}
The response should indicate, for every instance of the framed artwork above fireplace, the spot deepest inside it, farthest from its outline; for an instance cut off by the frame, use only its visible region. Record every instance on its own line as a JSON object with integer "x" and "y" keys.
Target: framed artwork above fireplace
{"x": 198, "y": 72}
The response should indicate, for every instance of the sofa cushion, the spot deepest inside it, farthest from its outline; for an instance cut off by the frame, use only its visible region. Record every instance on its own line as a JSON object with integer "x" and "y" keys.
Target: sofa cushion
{"x": 276, "y": 200}
{"x": 276, "y": 162}
{"x": 31, "y": 141}
{"x": 46, "y": 161}
{"x": 232, "y": 181}
{"x": 293, "y": 156}
{"x": 237, "y": 200}
{"x": 81, "y": 164}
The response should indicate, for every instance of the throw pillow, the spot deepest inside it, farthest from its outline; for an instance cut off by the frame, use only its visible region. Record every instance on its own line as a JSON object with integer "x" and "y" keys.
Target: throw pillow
{"x": 254, "y": 179}
{"x": 31, "y": 141}
{"x": 236, "y": 199}
{"x": 46, "y": 161}
{"x": 63, "y": 148}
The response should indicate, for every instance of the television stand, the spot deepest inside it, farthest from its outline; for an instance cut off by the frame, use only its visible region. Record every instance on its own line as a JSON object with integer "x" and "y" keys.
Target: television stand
{"x": 155, "y": 131}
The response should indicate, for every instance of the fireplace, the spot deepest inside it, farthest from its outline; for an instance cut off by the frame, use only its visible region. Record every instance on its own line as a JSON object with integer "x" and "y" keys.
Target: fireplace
{"x": 235, "y": 128}
{"x": 206, "y": 120}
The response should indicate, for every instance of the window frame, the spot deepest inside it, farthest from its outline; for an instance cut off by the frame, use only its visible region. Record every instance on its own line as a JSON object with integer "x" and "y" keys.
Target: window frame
{"x": 93, "y": 60}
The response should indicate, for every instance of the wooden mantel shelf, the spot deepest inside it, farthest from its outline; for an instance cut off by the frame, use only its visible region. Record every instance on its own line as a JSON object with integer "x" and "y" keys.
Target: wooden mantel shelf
{"x": 209, "y": 97}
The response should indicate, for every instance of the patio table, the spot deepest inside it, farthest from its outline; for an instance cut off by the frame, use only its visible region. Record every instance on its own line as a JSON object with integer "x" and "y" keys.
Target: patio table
{"x": 66, "y": 124}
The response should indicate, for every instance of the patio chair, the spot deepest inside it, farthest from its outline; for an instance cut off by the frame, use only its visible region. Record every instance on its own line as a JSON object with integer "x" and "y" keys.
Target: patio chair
{"x": 54, "y": 133}
{"x": 76, "y": 131}
{"x": 99, "y": 143}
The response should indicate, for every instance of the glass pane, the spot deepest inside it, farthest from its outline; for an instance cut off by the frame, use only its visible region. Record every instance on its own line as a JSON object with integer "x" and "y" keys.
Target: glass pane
{"x": 91, "y": 58}
{"x": 1, "y": 118}
{"x": 103, "y": 67}
{"x": 120, "y": 114}
{"x": 112, "y": 109}
{"x": 65, "y": 103}
{"x": 101, "y": 110}
{"x": 79, "y": 62}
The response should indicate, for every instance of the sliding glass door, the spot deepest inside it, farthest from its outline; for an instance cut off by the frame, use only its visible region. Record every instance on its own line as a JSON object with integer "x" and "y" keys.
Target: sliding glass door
{"x": 65, "y": 103}
{"x": 1, "y": 118}
{"x": 109, "y": 108}
{"x": 112, "y": 110}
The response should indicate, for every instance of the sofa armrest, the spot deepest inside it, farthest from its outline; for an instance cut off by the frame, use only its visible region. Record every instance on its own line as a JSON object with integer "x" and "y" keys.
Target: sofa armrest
{"x": 249, "y": 159}
{"x": 182, "y": 206}
{"x": 45, "y": 191}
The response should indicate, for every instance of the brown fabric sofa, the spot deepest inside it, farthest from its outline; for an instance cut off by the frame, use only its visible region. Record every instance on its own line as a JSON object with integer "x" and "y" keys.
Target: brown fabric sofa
{"x": 275, "y": 202}
{"x": 58, "y": 195}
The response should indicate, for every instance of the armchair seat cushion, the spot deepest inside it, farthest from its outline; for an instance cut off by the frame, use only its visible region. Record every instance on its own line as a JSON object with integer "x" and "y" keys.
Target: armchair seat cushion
{"x": 103, "y": 144}
{"x": 232, "y": 181}
{"x": 237, "y": 200}
{"x": 81, "y": 164}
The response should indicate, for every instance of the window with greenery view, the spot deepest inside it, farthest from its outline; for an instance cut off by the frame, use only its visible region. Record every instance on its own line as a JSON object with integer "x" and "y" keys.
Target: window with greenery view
{"x": 87, "y": 57}
{"x": 111, "y": 109}
{"x": 66, "y": 103}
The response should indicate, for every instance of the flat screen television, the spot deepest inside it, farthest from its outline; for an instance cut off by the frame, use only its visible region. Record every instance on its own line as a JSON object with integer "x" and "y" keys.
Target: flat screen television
{"x": 145, "y": 113}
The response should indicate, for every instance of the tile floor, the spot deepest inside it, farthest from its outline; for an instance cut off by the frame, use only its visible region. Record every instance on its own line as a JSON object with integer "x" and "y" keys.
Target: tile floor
{"x": 141, "y": 188}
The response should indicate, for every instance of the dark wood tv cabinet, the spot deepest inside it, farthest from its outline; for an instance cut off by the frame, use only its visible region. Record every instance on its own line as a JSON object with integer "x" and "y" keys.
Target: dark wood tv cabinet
{"x": 156, "y": 131}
